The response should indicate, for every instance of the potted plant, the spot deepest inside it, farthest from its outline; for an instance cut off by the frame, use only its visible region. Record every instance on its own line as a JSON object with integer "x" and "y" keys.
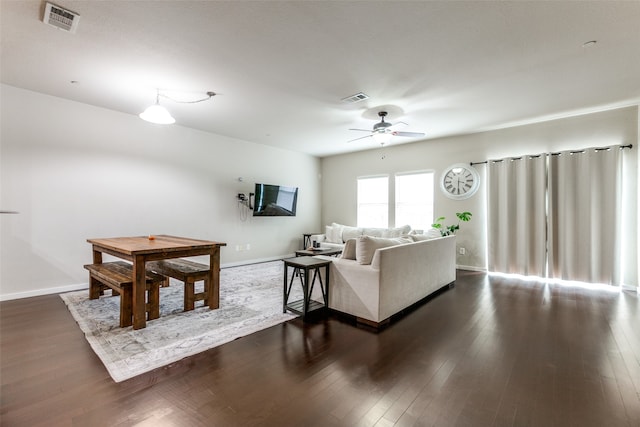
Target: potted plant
{"x": 451, "y": 229}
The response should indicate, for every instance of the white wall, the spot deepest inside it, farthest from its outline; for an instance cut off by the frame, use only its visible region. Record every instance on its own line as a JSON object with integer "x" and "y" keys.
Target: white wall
{"x": 75, "y": 171}
{"x": 339, "y": 173}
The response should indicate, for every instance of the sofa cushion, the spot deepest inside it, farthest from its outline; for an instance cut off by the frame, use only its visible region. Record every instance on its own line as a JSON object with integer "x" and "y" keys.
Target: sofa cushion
{"x": 375, "y": 232}
{"x": 396, "y": 232}
{"x": 349, "y": 251}
{"x": 350, "y": 233}
{"x": 366, "y": 246}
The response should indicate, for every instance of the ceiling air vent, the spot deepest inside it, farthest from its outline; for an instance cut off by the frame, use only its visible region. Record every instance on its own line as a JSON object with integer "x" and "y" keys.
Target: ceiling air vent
{"x": 355, "y": 98}
{"x": 60, "y": 18}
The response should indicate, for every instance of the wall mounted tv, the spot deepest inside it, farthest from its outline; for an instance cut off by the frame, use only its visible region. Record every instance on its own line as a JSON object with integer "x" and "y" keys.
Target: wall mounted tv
{"x": 275, "y": 200}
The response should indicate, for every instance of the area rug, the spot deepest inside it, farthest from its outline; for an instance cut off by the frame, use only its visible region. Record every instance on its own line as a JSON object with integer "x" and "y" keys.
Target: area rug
{"x": 250, "y": 300}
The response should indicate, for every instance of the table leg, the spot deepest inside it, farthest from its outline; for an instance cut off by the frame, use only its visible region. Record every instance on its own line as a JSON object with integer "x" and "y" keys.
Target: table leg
{"x": 305, "y": 292}
{"x": 214, "y": 278}
{"x": 97, "y": 256}
{"x": 313, "y": 282}
{"x": 326, "y": 286}
{"x": 139, "y": 301}
{"x": 95, "y": 287}
{"x": 285, "y": 295}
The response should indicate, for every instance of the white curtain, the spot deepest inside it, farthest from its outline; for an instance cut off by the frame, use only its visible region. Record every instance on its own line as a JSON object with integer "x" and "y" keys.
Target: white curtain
{"x": 516, "y": 192}
{"x": 585, "y": 215}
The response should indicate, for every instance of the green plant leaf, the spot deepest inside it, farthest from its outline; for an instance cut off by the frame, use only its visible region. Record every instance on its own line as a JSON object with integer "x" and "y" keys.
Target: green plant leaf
{"x": 451, "y": 229}
{"x": 464, "y": 216}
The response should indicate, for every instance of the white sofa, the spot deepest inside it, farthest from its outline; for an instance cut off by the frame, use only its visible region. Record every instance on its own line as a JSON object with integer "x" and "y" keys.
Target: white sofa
{"x": 397, "y": 277}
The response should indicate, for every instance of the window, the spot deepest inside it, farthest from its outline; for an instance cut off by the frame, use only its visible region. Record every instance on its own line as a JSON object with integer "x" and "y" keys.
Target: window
{"x": 414, "y": 200}
{"x": 373, "y": 201}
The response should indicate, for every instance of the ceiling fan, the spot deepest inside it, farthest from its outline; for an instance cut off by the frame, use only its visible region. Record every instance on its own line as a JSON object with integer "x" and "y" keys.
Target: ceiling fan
{"x": 383, "y": 131}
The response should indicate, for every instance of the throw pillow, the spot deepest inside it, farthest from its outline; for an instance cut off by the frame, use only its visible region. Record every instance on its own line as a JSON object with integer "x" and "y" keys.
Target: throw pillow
{"x": 366, "y": 246}
{"x": 337, "y": 233}
{"x": 328, "y": 234}
{"x": 349, "y": 251}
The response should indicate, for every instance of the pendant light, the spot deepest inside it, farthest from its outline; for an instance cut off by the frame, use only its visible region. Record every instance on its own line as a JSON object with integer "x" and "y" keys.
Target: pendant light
{"x": 382, "y": 137}
{"x": 157, "y": 113}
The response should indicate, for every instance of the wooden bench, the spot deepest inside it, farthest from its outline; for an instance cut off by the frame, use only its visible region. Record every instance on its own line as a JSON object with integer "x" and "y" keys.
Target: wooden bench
{"x": 119, "y": 277}
{"x": 188, "y": 272}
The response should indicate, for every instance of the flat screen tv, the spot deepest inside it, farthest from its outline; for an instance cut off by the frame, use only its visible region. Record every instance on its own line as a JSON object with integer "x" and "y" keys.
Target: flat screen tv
{"x": 275, "y": 200}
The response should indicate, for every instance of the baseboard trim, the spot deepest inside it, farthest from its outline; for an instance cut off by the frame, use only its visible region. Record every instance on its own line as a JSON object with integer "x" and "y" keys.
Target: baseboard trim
{"x": 256, "y": 261}
{"x": 46, "y": 291}
{"x": 470, "y": 268}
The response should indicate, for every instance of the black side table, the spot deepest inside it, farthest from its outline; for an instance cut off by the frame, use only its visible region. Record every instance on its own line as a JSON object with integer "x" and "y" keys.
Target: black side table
{"x": 305, "y": 265}
{"x": 306, "y": 240}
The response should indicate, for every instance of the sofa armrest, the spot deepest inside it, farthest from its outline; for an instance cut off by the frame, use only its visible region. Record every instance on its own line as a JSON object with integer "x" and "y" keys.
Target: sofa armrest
{"x": 410, "y": 272}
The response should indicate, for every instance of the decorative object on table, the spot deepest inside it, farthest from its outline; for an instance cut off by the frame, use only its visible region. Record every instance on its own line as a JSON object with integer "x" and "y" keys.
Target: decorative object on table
{"x": 307, "y": 240}
{"x": 319, "y": 251}
{"x": 451, "y": 229}
{"x": 250, "y": 300}
{"x": 459, "y": 181}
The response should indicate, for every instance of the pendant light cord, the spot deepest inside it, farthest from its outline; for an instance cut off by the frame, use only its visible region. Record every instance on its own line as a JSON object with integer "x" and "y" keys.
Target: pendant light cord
{"x": 209, "y": 96}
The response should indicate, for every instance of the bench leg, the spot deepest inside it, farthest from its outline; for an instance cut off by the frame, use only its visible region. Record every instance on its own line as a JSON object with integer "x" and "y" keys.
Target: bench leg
{"x": 126, "y": 310}
{"x": 153, "y": 296}
{"x": 206, "y": 292}
{"x": 95, "y": 288}
{"x": 189, "y": 295}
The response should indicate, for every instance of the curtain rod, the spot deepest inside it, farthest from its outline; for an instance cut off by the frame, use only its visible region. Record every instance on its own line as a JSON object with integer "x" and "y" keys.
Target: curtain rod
{"x": 555, "y": 154}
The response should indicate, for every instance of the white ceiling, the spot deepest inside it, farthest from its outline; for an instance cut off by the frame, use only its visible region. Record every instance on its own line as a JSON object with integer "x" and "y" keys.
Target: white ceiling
{"x": 281, "y": 68}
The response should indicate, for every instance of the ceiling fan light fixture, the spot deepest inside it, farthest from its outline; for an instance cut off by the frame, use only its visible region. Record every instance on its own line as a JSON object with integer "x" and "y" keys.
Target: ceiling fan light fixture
{"x": 382, "y": 137}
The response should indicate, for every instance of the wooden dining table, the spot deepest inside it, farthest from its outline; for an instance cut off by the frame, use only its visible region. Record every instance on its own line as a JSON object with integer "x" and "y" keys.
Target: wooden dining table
{"x": 141, "y": 249}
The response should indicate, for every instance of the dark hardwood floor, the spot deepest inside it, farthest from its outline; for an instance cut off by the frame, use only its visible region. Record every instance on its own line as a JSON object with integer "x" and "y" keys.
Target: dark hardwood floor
{"x": 488, "y": 352}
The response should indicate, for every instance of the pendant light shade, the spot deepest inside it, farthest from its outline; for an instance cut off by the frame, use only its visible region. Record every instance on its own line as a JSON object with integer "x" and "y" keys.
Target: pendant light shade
{"x": 157, "y": 114}
{"x": 382, "y": 138}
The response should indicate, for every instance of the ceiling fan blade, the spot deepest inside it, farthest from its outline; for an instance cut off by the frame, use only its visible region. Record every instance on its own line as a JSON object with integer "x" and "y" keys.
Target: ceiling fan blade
{"x": 396, "y": 124}
{"x": 411, "y": 134}
{"x": 362, "y": 137}
{"x": 362, "y": 130}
